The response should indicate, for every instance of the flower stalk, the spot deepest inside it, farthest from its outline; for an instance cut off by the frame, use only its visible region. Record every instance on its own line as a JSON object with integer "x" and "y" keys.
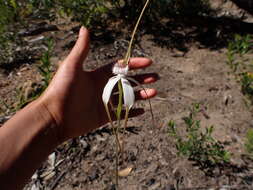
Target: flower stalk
{"x": 126, "y": 93}
{"x": 128, "y": 54}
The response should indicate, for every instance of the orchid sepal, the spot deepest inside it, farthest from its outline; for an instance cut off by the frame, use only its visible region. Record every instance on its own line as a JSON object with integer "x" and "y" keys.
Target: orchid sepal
{"x": 128, "y": 91}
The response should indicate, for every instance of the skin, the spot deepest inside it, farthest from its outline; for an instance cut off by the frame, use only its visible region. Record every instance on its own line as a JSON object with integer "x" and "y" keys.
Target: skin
{"x": 71, "y": 106}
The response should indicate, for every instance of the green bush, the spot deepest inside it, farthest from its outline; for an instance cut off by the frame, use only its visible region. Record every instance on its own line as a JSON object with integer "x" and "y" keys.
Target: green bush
{"x": 237, "y": 49}
{"x": 249, "y": 143}
{"x": 247, "y": 83}
{"x": 88, "y": 12}
{"x": 196, "y": 145}
{"x": 9, "y": 14}
{"x": 241, "y": 44}
{"x": 8, "y": 11}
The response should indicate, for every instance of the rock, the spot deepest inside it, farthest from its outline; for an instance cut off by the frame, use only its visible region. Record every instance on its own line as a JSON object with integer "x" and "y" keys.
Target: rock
{"x": 151, "y": 182}
{"x": 50, "y": 175}
{"x": 113, "y": 187}
{"x": 248, "y": 180}
{"x": 169, "y": 187}
{"x": 94, "y": 174}
{"x": 35, "y": 187}
{"x": 225, "y": 187}
{"x": 125, "y": 172}
{"x": 100, "y": 138}
{"x": 52, "y": 160}
{"x": 34, "y": 40}
{"x": 132, "y": 154}
{"x": 155, "y": 186}
{"x": 38, "y": 29}
{"x": 35, "y": 176}
{"x": 3, "y": 119}
{"x": 28, "y": 90}
{"x": 84, "y": 144}
{"x": 245, "y": 5}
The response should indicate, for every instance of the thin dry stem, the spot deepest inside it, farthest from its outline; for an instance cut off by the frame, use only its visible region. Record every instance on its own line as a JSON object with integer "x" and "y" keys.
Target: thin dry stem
{"x": 124, "y": 131}
{"x": 126, "y": 120}
{"x": 150, "y": 106}
{"x": 128, "y": 54}
{"x": 115, "y": 132}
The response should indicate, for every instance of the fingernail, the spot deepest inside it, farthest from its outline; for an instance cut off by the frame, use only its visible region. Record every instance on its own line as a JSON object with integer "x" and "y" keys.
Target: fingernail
{"x": 149, "y": 80}
{"x": 81, "y": 32}
{"x": 148, "y": 93}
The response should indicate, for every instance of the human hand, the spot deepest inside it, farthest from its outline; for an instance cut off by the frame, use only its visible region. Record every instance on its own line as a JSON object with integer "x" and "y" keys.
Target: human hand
{"x": 73, "y": 98}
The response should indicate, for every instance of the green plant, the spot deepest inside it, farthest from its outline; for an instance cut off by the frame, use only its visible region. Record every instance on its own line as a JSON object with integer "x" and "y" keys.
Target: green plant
{"x": 12, "y": 17}
{"x": 45, "y": 67}
{"x": 197, "y": 145}
{"x": 249, "y": 142}
{"x": 8, "y": 13}
{"x": 247, "y": 83}
{"x": 239, "y": 46}
{"x": 231, "y": 60}
{"x": 42, "y": 4}
{"x": 45, "y": 70}
{"x": 88, "y": 12}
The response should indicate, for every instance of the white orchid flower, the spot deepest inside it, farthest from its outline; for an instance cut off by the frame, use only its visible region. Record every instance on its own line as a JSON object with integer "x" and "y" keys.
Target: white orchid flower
{"x": 121, "y": 72}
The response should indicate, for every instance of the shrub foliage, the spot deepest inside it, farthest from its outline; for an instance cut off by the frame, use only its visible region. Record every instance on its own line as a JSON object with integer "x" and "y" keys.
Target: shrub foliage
{"x": 197, "y": 145}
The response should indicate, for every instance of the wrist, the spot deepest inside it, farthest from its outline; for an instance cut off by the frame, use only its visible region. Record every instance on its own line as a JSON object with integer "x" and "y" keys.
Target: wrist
{"x": 26, "y": 140}
{"x": 49, "y": 122}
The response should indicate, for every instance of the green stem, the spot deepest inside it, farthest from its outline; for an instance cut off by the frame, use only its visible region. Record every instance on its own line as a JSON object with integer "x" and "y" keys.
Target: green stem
{"x": 120, "y": 104}
{"x": 124, "y": 132}
{"x": 128, "y": 54}
{"x": 118, "y": 145}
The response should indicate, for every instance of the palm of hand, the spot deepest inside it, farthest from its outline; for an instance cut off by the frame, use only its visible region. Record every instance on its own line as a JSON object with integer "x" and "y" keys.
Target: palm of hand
{"x": 73, "y": 97}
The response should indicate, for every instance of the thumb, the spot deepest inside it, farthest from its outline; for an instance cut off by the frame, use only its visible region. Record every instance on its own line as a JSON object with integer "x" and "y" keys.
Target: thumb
{"x": 81, "y": 48}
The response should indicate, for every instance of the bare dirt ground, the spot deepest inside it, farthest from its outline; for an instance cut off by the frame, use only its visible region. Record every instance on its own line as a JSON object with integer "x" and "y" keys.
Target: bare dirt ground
{"x": 198, "y": 75}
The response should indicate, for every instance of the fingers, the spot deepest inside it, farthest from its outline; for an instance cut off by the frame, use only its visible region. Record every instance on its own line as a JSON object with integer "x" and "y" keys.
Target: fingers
{"x": 145, "y": 94}
{"x": 134, "y": 63}
{"x": 146, "y": 78}
{"x": 80, "y": 50}
{"x": 139, "y": 62}
{"x": 139, "y": 95}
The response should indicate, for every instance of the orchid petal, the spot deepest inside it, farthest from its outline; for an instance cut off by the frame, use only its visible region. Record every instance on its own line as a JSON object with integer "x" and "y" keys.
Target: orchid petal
{"x": 128, "y": 93}
{"x": 108, "y": 89}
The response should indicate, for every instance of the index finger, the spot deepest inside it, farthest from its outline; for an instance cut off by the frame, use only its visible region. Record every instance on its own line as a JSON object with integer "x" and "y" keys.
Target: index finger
{"x": 139, "y": 62}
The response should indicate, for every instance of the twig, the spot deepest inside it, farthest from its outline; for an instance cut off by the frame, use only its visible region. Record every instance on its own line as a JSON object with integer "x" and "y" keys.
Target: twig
{"x": 56, "y": 181}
